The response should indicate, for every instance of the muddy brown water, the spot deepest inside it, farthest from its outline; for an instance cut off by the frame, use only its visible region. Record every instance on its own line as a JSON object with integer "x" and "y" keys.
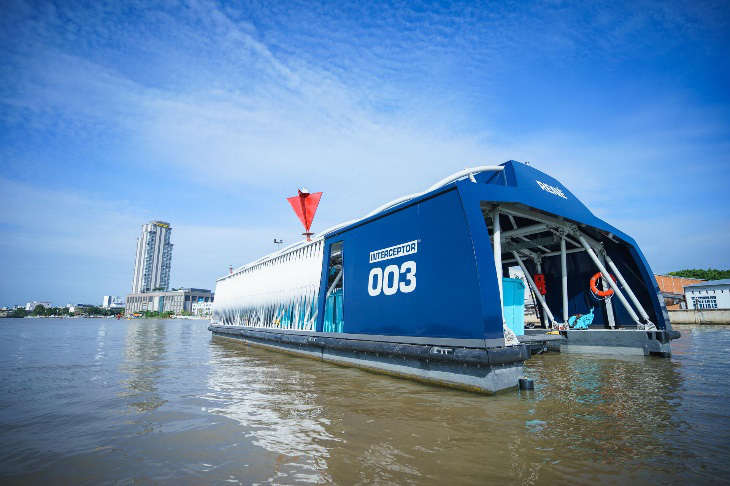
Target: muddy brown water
{"x": 93, "y": 401}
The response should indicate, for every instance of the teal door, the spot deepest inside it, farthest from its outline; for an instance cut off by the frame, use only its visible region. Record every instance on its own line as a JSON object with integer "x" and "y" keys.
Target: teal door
{"x": 513, "y": 297}
{"x": 334, "y": 317}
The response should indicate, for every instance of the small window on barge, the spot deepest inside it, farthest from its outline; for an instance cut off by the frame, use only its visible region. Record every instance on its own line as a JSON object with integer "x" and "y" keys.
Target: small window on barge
{"x": 334, "y": 320}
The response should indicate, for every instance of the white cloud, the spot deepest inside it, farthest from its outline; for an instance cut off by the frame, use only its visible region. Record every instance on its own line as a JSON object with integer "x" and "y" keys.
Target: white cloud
{"x": 80, "y": 247}
{"x": 252, "y": 102}
{"x": 64, "y": 222}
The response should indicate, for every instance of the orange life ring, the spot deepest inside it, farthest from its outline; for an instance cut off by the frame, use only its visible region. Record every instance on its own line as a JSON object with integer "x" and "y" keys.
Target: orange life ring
{"x": 598, "y": 292}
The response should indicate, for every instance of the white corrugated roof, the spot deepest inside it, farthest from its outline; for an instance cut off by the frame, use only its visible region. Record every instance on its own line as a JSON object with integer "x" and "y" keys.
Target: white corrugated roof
{"x": 452, "y": 178}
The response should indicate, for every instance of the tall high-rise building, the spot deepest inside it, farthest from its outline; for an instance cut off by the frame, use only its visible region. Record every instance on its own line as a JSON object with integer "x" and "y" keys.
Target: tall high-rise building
{"x": 154, "y": 256}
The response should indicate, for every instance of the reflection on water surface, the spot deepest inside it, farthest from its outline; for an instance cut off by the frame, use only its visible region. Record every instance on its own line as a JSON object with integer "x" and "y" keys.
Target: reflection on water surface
{"x": 143, "y": 363}
{"x": 102, "y": 401}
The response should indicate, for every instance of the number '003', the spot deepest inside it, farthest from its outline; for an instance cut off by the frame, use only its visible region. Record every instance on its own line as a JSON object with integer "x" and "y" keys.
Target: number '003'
{"x": 392, "y": 278}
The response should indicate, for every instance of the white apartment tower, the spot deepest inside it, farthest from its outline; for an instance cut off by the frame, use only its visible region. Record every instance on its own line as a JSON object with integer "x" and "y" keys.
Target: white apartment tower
{"x": 154, "y": 255}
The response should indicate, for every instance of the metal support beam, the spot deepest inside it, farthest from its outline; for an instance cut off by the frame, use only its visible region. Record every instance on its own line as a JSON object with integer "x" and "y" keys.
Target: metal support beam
{"x": 564, "y": 269}
{"x": 608, "y": 303}
{"x": 626, "y": 287}
{"x": 553, "y": 223}
{"x": 529, "y": 244}
{"x": 574, "y": 243}
{"x": 334, "y": 284}
{"x": 514, "y": 226}
{"x": 526, "y": 230}
{"x": 544, "y": 306}
{"x": 497, "y": 236}
{"x": 607, "y": 278}
{"x": 552, "y": 253}
{"x": 589, "y": 245}
{"x": 532, "y": 215}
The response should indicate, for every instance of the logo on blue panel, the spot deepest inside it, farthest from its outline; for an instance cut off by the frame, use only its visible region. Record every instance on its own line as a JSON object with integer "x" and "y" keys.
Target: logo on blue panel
{"x": 394, "y": 251}
{"x": 393, "y": 278}
{"x": 551, "y": 189}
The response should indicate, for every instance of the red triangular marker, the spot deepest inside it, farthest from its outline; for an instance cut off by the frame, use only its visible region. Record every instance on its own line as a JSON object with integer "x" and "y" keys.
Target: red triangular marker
{"x": 305, "y": 205}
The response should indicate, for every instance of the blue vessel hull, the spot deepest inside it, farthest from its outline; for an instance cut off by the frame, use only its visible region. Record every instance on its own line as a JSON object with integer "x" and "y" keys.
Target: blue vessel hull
{"x": 427, "y": 272}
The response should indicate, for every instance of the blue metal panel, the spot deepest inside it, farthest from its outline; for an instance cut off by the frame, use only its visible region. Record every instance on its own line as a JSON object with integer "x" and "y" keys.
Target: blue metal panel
{"x": 484, "y": 256}
{"x": 457, "y": 293}
{"x": 445, "y": 301}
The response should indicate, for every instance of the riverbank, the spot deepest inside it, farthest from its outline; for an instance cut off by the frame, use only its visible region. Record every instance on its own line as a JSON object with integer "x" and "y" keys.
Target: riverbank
{"x": 681, "y": 316}
{"x": 699, "y": 316}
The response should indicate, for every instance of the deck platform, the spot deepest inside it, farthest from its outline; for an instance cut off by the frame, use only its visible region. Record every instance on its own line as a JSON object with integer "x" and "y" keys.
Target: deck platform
{"x": 539, "y": 342}
{"x": 484, "y": 370}
{"x": 601, "y": 341}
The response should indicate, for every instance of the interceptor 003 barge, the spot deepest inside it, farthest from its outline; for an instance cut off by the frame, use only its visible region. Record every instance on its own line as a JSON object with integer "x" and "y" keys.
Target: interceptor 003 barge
{"x": 415, "y": 288}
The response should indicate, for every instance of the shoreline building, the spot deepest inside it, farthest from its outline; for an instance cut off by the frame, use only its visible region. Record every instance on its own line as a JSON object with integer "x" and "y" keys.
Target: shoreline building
{"x": 672, "y": 289}
{"x": 714, "y": 294}
{"x": 73, "y": 308}
{"x": 32, "y": 305}
{"x": 203, "y": 309}
{"x": 112, "y": 302}
{"x": 153, "y": 260}
{"x": 151, "y": 281}
{"x": 176, "y": 301}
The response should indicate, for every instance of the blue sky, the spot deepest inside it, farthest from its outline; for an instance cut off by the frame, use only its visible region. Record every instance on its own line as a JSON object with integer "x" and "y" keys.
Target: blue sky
{"x": 208, "y": 115}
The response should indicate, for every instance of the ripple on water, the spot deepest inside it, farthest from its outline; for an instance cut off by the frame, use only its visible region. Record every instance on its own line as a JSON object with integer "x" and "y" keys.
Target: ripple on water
{"x": 95, "y": 401}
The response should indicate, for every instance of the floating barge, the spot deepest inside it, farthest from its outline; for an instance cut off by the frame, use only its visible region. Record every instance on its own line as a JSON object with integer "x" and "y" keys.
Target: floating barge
{"x": 416, "y": 288}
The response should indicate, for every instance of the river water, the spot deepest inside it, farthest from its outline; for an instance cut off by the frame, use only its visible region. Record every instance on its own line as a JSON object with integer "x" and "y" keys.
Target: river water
{"x": 90, "y": 401}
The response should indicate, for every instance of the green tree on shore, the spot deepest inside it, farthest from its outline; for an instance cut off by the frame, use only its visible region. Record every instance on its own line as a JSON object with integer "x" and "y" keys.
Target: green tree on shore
{"x": 698, "y": 273}
{"x": 157, "y": 315}
{"x": 56, "y": 311}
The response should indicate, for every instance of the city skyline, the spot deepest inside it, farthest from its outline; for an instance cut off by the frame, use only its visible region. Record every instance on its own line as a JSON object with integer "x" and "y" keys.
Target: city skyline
{"x": 209, "y": 115}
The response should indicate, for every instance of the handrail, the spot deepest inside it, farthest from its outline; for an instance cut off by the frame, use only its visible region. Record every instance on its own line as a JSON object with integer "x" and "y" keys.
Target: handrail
{"x": 393, "y": 203}
{"x": 438, "y": 185}
{"x": 465, "y": 173}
